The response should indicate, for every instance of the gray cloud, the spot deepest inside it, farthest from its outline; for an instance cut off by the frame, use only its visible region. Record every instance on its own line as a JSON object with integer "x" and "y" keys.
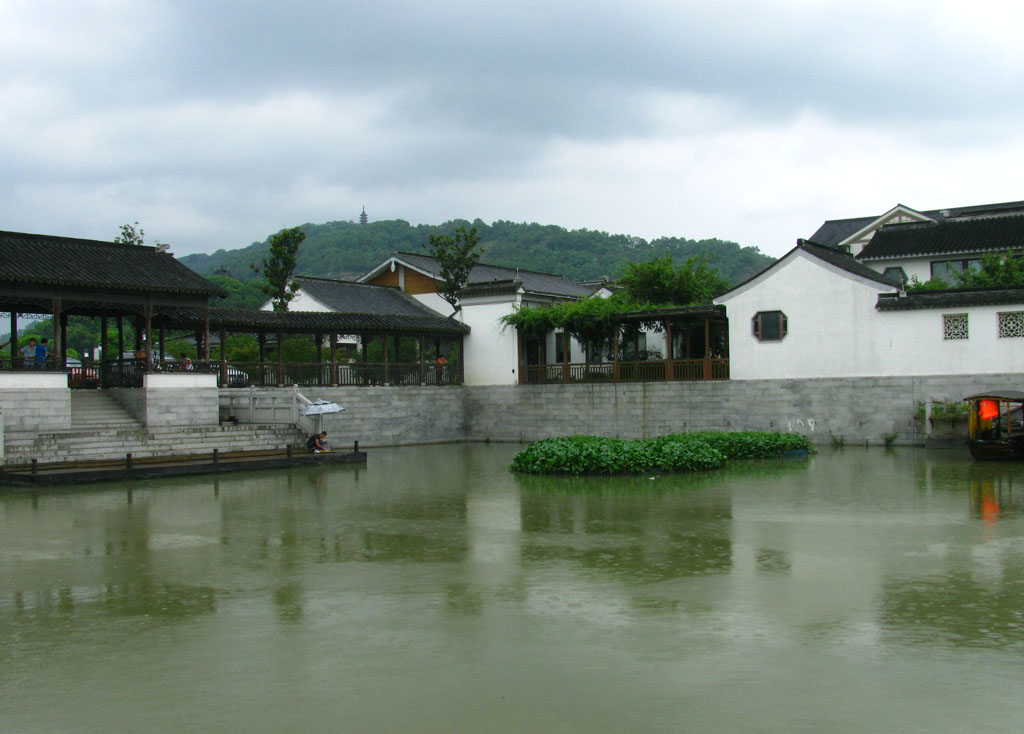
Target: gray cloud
{"x": 229, "y": 117}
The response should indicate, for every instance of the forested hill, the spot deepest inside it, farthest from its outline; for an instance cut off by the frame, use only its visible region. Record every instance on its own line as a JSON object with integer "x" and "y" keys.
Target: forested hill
{"x": 347, "y": 249}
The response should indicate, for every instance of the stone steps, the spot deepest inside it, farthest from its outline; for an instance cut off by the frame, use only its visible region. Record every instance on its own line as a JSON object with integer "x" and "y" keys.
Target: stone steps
{"x": 114, "y": 443}
{"x": 95, "y": 409}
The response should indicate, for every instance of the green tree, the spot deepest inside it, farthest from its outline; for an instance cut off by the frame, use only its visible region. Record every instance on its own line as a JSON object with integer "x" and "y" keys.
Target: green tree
{"x": 457, "y": 253}
{"x": 997, "y": 269}
{"x": 130, "y": 235}
{"x": 935, "y": 284}
{"x": 659, "y": 282}
{"x": 279, "y": 266}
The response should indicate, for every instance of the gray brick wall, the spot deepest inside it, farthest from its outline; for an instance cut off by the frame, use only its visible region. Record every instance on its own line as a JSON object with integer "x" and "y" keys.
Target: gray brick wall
{"x": 36, "y": 410}
{"x": 860, "y": 410}
{"x": 171, "y": 406}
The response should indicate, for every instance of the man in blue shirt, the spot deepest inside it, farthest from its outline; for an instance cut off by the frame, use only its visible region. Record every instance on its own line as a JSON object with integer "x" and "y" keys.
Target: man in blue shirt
{"x": 41, "y": 355}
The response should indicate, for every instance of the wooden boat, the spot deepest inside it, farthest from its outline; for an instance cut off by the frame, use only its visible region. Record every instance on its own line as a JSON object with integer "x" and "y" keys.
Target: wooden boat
{"x": 994, "y": 425}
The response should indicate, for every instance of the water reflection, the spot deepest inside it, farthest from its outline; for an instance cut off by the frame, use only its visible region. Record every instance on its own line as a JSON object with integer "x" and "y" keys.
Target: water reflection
{"x": 435, "y": 567}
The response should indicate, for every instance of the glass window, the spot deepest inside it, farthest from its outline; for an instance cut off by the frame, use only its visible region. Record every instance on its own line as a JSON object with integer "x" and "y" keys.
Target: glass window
{"x": 896, "y": 275}
{"x": 769, "y": 326}
{"x": 949, "y": 269}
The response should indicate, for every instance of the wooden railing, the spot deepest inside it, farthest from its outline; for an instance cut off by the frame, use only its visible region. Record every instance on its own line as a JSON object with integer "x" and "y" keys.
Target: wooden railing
{"x": 650, "y": 371}
{"x": 326, "y": 374}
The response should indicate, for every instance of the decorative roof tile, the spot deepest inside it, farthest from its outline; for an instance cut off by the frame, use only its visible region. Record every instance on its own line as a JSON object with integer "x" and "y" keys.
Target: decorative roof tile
{"x": 72, "y": 262}
{"x": 947, "y": 237}
{"x": 950, "y": 298}
{"x": 309, "y": 322}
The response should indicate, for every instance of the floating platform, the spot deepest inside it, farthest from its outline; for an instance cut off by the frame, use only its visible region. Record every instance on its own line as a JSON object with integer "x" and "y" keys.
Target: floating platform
{"x": 152, "y": 467}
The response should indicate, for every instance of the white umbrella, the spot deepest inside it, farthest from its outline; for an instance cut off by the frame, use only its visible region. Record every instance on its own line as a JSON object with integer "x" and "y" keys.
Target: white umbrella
{"x": 319, "y": 408}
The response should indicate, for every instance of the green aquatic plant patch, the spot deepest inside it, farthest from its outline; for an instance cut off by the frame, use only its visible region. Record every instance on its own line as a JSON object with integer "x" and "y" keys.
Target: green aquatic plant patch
{"x": 680, "y": 452}
{"x": 750, "y": 444}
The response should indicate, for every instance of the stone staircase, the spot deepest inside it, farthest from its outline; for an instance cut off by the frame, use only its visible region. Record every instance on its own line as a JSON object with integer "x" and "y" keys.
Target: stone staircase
{"x": 103, "y": 430}
{"x": 96, "y": 409}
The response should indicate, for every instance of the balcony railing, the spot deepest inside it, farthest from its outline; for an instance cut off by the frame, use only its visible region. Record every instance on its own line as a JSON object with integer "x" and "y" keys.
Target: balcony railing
{"x": 681, "y": 370}
{"x": 326, "y": 374}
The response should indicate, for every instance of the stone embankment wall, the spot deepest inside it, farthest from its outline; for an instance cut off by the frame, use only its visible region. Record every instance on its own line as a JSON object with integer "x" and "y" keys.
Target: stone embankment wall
{"x": 858, "y": 410}
{"x": 374, "y": 416}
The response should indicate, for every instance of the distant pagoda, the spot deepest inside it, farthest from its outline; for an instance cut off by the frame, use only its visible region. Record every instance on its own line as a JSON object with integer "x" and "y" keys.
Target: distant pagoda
{"x": 363, "y": 219}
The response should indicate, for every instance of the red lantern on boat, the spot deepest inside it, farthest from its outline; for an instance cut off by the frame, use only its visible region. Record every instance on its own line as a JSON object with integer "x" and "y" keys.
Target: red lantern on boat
{"x": 988, "y": 410}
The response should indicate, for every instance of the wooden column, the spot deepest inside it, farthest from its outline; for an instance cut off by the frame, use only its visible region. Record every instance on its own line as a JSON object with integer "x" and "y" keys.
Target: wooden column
{"x": 616, "y": 369}
{"x": 206, "y": 334}
{"x": 462, "y": 359}
{"x": 163, "y": 352}
{"x": 707, "y": 348}
{"x": 521, "y": 349}
{"x": 58, "y": 331}
{"x": 223, "y": 357}
{"x": 423, "y": 372}
{"x": 149, "y": 336}
{"x": 139, "y": 327}
{"x": 61, "y": 345}
{"x": 334, "y": 360}
{"x": 384, "y": 342}
{"x": 566, "y": 354}
{"x": 14, "y": 338}
{"x": 280, "y": 359}
{"x": 670, "y": 369}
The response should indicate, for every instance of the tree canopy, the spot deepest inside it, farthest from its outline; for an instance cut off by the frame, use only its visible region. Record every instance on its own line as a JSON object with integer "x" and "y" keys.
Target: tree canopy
{"x": 347, "y": 250}
{"x": 457, "y": 254}
{"x": 278, "y": 267}
{"x": 997, "y": 269}
{"x": 659, "y": 282}
{"x": 655, "y": 284}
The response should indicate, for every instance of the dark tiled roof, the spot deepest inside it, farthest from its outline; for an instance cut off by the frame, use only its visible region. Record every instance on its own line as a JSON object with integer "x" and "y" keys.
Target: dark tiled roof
{"x": 310, "y": 322}
{"x": 71, "y": 262}
{"x": 492, "y": 288}
{"x": 845, "y": 262}
{"x": 834, "y": 231}
{"x": 950, "y": 298}
{"x": 948, "y": 237}
{"x": 348, "y": 297}
{"x": 548, "y": 284}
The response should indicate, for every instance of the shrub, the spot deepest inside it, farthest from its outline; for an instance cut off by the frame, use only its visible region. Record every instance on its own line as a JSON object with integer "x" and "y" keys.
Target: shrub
{"x": 672, "y": 453}
{"x": 595, "y": 455}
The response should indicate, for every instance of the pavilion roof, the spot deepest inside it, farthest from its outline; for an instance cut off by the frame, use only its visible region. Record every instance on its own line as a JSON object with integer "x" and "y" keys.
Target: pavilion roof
{"x": 311, "y": 322}
{"x": 50, "y": 260}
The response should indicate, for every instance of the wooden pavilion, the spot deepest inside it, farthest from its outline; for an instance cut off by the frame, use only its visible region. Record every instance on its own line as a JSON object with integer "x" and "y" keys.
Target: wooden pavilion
{"x": 64, "y": 276}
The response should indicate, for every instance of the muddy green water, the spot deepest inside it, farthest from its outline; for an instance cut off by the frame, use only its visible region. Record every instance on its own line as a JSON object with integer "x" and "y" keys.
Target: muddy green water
{"x": 433, "y": 591}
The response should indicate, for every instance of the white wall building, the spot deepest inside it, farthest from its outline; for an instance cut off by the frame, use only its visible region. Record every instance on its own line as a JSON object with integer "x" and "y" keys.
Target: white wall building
{"x": 817, "y": 312}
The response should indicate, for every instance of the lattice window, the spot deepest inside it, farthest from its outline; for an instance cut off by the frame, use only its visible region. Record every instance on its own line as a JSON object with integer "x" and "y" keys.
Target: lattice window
{"x": 954, "y": 326}
{"x": 1011, "y": 324}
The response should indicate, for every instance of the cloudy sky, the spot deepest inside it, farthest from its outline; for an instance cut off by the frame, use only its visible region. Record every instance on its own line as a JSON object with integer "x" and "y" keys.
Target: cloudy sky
{"x": 217, "y": 122}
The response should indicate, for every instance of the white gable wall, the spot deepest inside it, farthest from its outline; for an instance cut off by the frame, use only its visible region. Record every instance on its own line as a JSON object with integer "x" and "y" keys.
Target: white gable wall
{"x": 834, "y": 330}
{"x": 831, "y": 316}
{"x": 302, "y": 302}
{"x": 491, "y": 355}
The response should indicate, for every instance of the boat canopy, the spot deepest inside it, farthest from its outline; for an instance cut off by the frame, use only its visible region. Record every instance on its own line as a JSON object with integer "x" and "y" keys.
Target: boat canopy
{"x": 1013, "y": 396}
